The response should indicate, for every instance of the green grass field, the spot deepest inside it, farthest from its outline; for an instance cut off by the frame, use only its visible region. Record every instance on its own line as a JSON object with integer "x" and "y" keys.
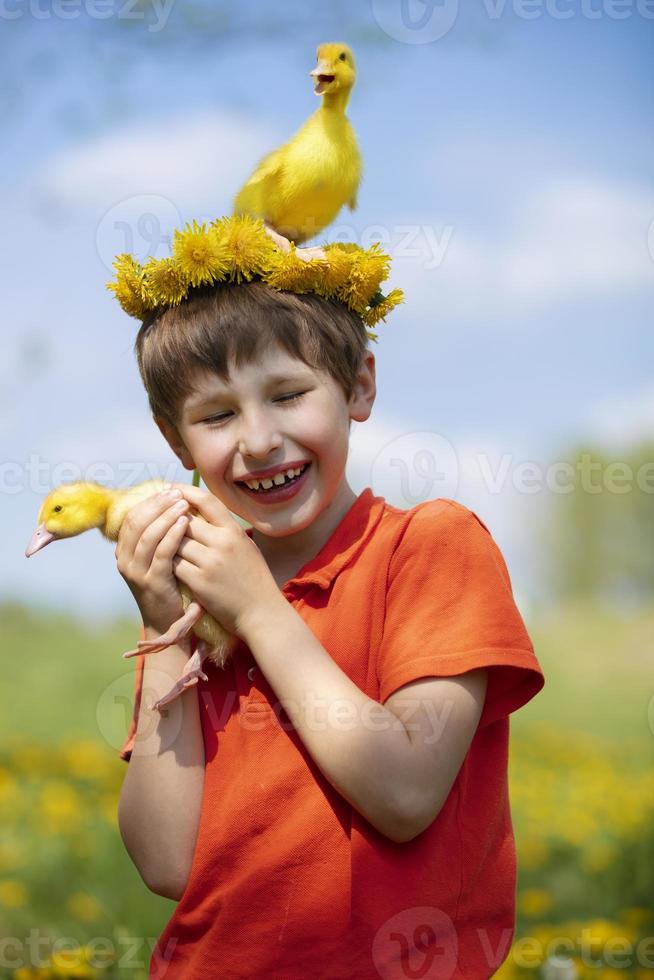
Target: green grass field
{"x": 581, "y": 781}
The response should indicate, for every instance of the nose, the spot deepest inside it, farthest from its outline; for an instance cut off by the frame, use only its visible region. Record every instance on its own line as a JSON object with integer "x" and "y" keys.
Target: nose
{"x": 258, "y": 436}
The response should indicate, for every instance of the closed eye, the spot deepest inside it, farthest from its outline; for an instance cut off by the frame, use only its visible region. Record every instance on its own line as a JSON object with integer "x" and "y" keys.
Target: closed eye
{"x": 216, "y": 419}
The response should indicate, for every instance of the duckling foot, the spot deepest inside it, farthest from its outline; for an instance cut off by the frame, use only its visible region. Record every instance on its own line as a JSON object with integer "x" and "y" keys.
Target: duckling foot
{"x": 309, "y": 254}
{"x": 305, "y": 254}
{"x": 192, "y": 674}
{"x": 177, "y": 632}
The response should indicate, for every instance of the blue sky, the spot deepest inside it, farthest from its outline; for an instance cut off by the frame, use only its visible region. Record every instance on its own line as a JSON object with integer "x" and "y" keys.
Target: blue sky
{"x": 507, "y": 168}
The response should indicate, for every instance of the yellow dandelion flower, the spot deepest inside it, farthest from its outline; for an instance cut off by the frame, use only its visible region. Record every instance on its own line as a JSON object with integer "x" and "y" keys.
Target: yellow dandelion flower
{"x": 13, "y": 894}
{"x": 129, "y": 286}
{"x": 534, "y": 902}
{"x": 69, "y": 963}
{"x": 341, "y": 259}
{"x": 199, "y": 254}
{"x": 248, "y": 248}
{"x": 289, "y": 272}
{"x": 166, "y": 282}
{"x": 60, "y": 807}
{"x": 380, "y": 310}
{"x": 368, "y": 271}
{"x": 636, "y": 916}
{"x": 9, "y": 791}
{"x": 32, "y": 973}
{"x": 84, "y": 907}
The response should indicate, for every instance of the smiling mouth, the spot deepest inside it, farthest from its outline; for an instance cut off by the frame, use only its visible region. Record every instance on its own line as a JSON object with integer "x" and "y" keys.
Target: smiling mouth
{"x": 272, "y": 485}
{"x": 322, "y": 81}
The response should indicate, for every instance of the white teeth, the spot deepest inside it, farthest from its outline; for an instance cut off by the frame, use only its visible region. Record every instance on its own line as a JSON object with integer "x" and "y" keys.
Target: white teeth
{"x": 277, "y": 479}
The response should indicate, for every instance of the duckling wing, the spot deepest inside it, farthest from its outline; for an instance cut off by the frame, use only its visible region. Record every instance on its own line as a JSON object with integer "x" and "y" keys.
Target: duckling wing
{"x": 251, "y": 196}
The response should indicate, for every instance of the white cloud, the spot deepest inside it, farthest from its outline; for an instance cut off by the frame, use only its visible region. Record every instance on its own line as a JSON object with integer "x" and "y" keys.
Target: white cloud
{"x": 569, "y": 238}
{"x": 188, "y": 160}
{"x": 623, "y": 421}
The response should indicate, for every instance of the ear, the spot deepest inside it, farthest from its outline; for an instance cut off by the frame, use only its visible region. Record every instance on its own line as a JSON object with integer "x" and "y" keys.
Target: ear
{"x": 365, "y": 389}
{"x": 174, "y": 440}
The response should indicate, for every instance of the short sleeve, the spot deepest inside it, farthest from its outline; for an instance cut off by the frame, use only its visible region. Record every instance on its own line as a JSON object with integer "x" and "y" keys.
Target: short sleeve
{"x": 450, "y": 609}
{"x": 128, "y": 744}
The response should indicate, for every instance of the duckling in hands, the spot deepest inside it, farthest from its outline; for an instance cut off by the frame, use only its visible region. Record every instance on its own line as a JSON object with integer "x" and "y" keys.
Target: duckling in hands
{"x": 73, "y": 508}
{"x": 299, "y": 188}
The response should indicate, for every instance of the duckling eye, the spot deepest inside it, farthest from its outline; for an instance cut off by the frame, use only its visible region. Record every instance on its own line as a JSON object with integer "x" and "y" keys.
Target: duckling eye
{"x": 342, "y": 56}
{"x": 57, "y": 508}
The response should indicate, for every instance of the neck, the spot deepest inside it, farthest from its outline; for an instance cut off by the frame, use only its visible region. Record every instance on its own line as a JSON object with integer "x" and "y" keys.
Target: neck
{"x": 290, "y": 552}
{"x": 336, "y": 102}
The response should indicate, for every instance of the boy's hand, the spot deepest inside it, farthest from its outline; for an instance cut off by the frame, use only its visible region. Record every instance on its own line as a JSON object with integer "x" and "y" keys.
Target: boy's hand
{"x": 147, "y": 542}
{"x": 220, "y": 563}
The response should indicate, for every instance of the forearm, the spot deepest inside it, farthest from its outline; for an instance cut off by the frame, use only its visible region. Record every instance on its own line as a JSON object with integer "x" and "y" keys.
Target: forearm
{"x": 362, "y": 748}
{"x": 161, "y": 796}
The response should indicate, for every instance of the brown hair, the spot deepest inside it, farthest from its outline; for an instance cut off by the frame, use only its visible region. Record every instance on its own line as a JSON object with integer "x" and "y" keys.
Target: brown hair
{"x": 216, "y": 325}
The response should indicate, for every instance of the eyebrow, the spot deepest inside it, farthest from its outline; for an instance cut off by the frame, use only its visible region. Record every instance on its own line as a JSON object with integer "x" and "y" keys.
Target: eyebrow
{"x": 274, "y": 379}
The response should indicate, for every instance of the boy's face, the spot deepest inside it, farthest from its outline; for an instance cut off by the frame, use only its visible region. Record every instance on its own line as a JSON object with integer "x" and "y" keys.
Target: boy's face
{"x": 231, "y": 431}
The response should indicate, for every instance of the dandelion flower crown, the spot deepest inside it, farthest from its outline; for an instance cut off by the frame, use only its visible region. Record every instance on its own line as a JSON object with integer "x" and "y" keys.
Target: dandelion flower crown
{"x": 237, "y": 249}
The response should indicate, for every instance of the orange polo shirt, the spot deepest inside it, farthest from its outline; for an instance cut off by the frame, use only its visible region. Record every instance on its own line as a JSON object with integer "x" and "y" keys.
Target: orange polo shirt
{"x": 289, "y": 881}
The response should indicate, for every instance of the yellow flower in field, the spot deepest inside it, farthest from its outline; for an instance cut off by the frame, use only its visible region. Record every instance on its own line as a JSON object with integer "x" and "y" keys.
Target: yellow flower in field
{"x": 108, "y": 805}
{"x": 199, "y": 254}
{"x": 84, "y": 907}
{"x": 507, "y": 971}
{"x": 13, "y": 894}
{"x": 68, "y": 963}
{"x": 12, "y": 854}
{"x": 33, "y": 973}
{"x": 61, "y": 807}
{"x": 597, "y": 933}
{"x": 636, "y": 916}
{"x": 31, "y": 758}
{"x": 534, "y": 902}
{"x": 532, "y": 852}
{"x": 9, "y": 792}
{"x": 85, "y": 759}
{"x": 598, "y": 856}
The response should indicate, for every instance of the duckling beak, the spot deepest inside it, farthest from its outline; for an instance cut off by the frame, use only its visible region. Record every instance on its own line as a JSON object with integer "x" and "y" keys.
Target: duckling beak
{"x": 39, "y": 539}
{"x": 324, "y": 76}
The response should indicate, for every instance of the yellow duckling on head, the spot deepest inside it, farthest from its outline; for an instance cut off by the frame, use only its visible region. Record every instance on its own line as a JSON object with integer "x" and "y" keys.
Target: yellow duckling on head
{"x": 298, "y": 189}
{"x": 74, "y": 508}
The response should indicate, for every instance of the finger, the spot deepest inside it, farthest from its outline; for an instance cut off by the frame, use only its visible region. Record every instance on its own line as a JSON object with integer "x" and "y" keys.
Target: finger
{"x": 167, "y": 547}
{"x": 153, "y": 533}
{"x": 184, "y": 570}
{"x": 140, "y": 516}
{"x": 192, "y": 551}
{"x": 200, "y": 530}
{"x": 212, "y": 509}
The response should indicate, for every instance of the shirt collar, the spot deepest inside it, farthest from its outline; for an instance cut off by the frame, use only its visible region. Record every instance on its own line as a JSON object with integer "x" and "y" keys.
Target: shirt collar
{"x": 346, "y": 541}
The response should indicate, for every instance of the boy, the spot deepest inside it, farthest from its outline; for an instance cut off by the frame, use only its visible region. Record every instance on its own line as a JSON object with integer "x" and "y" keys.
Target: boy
{"x": 334, "y": 803}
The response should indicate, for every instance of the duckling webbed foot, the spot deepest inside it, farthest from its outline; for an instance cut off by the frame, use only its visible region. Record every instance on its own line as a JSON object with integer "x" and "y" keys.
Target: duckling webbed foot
{"x": 283, "y": 243}
{"x": 177, "y": 632}
{"x": 192, "y": 674}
